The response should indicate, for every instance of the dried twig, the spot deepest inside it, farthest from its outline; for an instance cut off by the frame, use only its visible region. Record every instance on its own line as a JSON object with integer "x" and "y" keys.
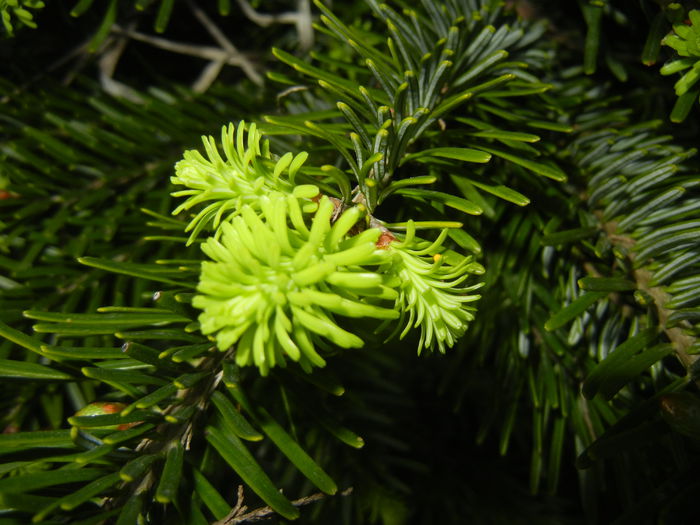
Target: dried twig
{"x": 208, "y": 75}
{"x": 206, "y": 52}
{"x": 114, "y": 48}
{"x": 300, "y": 18}
{"x": 238, "y": 513}
{"x": 218, "y": 35}
{"x": 305, "y": 28}
{"x": 263, "y": 19}
{"x": 214, "y": 54}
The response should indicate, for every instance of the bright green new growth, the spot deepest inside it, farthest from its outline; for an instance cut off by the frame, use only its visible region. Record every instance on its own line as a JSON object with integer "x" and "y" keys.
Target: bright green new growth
{"x": 285, "y": 261}
{"x": 685, "y": 39}
{"x": 274, "y": 289}
{"x": 246, "y": 174}
{"x": 18, "y": 9}
{"x": 428, "y": 279}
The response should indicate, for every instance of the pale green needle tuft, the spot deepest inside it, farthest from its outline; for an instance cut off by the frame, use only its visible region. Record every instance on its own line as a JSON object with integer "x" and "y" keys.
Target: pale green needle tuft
{"x": 244, "y": 174}
{"x": 18, "y": 12}
{"x": 274, "y": 285}
{"x": 429, "y": 279}
{"x": 287, "y": 262}
{"x": 685, "y": 39}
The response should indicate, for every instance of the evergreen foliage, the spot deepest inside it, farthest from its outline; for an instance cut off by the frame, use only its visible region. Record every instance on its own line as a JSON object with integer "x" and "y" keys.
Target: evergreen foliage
{"x": 18, "y": 12}
{"x": 237, "y": 335}
{"x": 684, "y": 40}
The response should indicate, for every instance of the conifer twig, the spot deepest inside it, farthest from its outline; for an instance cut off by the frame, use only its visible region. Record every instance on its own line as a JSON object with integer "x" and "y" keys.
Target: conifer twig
{"x": 238, "y": 513}
{"x": 114, "y": 48}
{"x": 680, "y": 340}
{"x": 226, "y": 44}
{"x": 206, "y": 52}
{"x": 301, "y": 18}
{"x": 264, "y": 19}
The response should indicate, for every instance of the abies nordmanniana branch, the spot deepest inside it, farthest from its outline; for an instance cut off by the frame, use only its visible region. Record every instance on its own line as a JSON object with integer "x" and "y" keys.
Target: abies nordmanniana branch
{"x": 298, "y": 248}
{"x": 420, "y": 145}
{"x": 278, "y": 233}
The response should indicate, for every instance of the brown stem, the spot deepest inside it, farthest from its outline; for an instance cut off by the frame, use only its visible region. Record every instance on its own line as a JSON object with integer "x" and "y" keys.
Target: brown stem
{"x": 680, "y": 340}
{"x": 238, "y": 513}
{"x": 198, "y": 396}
